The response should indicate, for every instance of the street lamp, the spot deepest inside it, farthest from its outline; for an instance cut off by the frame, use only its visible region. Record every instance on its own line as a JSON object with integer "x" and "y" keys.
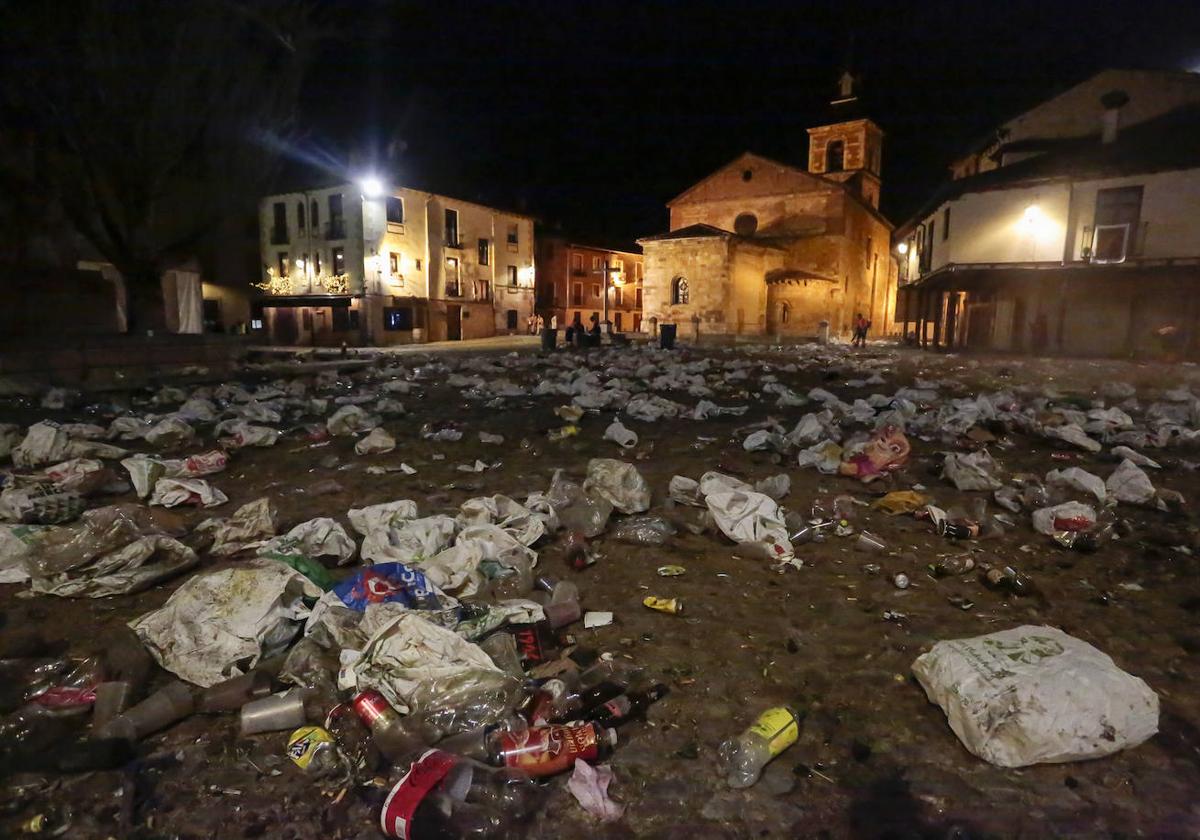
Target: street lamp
{"x": 372, "y": 187}
{"x": 608, "y": 271}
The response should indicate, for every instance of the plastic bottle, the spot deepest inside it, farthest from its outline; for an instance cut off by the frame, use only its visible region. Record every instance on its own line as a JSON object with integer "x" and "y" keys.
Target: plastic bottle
{"x": 577, "y": 553}
{"x": 625, "y": 707}
{"x": 549, "y": 750}
{"x": 743, "y": 758}
{"x": 445, "y": 795}
{"x": 388, "y": 732}
{"x": 956, "y": 564}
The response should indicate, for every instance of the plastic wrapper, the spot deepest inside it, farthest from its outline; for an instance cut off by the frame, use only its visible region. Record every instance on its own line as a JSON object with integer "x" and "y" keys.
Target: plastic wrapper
{"x": 643, "y": 530}
{"x": 1069, "y": 516}
{"x": 16, "y": 542}
{"x": 170, "y": 431}
{"x": 372, "y": 518}
{"x": 406, "y": 540}
{"x": 111, "y": 551}
{"x": 238, "y": 434}
{"x": 619, "y": 483}
{"x": 350, "y": 420}
{"x": 376, "y": 442}
{"x": 1033, "y": 695}
{"x": 44, "y": 443}
{"x": 409, "y": 651}
{"x": 526, "y": 526}
{"x": 316, "y": 538}
{"x": 589, "y": 786}
{"x": 1080, "y": 480}
{"x": 172, "y": 492}
{"x": 581, "y": 511}
{"x": 251, "y": 525}
{"x": 971, "y": 471}
{"x": 220, "y": 624}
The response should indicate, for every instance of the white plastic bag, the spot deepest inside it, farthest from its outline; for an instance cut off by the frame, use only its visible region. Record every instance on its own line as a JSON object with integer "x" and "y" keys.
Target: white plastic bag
{"x": 620, "y": 435}
{"x": 1130, "y": 485}
{"x": 1034, "y": 695}
{"x": 618, "y": 483}
{"x": 375, "y": 443}
{"x": 172, "y": 492}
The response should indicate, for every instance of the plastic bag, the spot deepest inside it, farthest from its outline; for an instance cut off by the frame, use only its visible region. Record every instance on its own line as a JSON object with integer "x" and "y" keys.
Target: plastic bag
{"x": 316, "y": 538}
{"x": 219, "y": 624}
{"x": 618, "y": 434}
{"x": 643, "y": 530}
{"x": 618, "y": 483}
{"x": 971, "y": 471}
{"x": 249, "y": 526}
{"x": 747, "y": 517}
{"x": 1079, "y": 479}
{"x": 1130, "y": 485}
{"x": 1033, "y": 695}
{"x": 375, "y": 443}
{"x": 172, "y": 492}
{"x": 349, "y": 420}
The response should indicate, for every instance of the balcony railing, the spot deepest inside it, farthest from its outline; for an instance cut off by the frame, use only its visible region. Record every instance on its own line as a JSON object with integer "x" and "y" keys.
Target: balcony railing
{"x": 335, "y": 229}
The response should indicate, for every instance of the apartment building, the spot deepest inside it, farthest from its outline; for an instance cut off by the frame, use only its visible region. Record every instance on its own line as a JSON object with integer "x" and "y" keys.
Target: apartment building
{"x": 573, "y": 279}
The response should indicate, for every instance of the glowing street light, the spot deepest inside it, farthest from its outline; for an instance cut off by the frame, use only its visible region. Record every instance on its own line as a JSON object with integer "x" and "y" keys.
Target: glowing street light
{"x": 372, "y": 187}
{"x": 902, "y": 248}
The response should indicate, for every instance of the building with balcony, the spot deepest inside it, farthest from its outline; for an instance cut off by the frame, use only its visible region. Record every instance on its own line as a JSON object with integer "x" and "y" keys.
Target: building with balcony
{"x": 571, "y": 281}
{"x": 390, "y": 266}
{"x": 769, "y": 249}
{"x": 1073, "y": 228}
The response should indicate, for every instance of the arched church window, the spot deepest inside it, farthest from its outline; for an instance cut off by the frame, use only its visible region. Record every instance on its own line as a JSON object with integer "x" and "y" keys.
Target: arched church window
{"x": 785, "y": 312}
{"x": 835, "y": 156}
{"x": 679, "y": 290}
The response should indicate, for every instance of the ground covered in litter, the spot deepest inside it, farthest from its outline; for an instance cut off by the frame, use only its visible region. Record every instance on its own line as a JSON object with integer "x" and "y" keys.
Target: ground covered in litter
{"x": 817, "y": 625}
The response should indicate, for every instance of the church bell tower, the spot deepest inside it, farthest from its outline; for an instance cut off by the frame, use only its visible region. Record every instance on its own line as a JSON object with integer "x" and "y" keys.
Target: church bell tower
{"x": 849, "y": 146}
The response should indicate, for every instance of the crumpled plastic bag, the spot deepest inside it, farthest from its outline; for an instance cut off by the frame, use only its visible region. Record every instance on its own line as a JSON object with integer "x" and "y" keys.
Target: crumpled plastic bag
{"x": 1077, "y": 478}
{"x": 375, "y": 443}
{"x": 238, "y": 434}
{"x": 349, "y": 420}
{"x": 887, "y": 450}
{"x": 522, "y": 523}
{"x": 643, "y": 530}
{"x": 826, "y": 456}
{"x": 314, "y": 539}
{"x": 405, "y": 541}
{"x": 685, "y": 491}
{"x": 249, "y": 527}
{"x": 1035, "y": 695}
{"x": 145, "y": 470}
{"x": 971, "y": 471}
{"x": 1136, "y": 457}
{"x": 1069, "y": 516}
{"x": 585, "y": 512}
{"x": 1071, "y": 433}
{"x": 384, "y": 515}
{"x": 407, "y": 652}
{"x": 620, "y": 435}
{"x": 219, "y": 624}
{"x": 752, "y": 518}
{"x": 775, "y": 486}
{"x": 113, "y": 550}
{"x": 618, "y": 483}
{"x": 172, "y": 492}
{"x": 44, "y": 443}
{"x": 589, "y": 786}
{"x": 1130, "y": 485}
{"x": 764, "y": 439}
{"x": 40, "y": 503}
{"x": 170, "y": 431}
{"x": 72, "y": 474}
{"x": 17, "y": 542}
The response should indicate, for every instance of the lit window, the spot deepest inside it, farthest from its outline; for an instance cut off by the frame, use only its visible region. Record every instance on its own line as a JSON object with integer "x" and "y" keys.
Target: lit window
{"x": 395, "y": 210}
{"x": 394, "y": 263}
{"x": 339, "y": 260}
{"x": 679, "y": 290}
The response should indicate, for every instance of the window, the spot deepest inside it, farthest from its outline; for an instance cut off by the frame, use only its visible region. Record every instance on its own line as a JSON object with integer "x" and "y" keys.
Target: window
{"x": 212, "y": 314}
{"x": 637, "y": 273}
{"x": 745, "y": 224}
{"x": 577, "y": 263}
{"x": 617, "y": 295}
{"x": 451, "y": 226}
{"x": 306, "y": 319}
{"x": 1118, "y": 211}
{"x": 485, "y": 251}
{"x": 595, "y": 290}
{"x": 337, "y": 222}
{"x": 637, "y": 298}
{"x": 317, "y": 264}
{"x": 867, "y": 247}
{"x": 926, "y": 257}
{"x": 835, "y": 156}
{"x": 339, "y": 261}
{"x": 512, "y": 234}
{"x": 302, "y": 265}
{"x": 679, "y": 290}
{"x": 300, "y": 215}
{"x": 452, "y": 286}
{"x": 747, "y": 174}
{"x": 512, "y": 275}
{"x": 283, "y": 264}
{"x": 395, "y": 210}
{"x": 617, "y": 321}
{"x": 945, "y": 224}
{"x": 483, "y": 290}
{"x": 279, "y": 231}
{"x": 314, "y": 215}
{"x": 394, "y": 263}
{"x": 398, "y": 319}
{"x": 417, "y": 264}
{"x": 577, "y": 294}
{"x": 595, "y": 263}
{"x": 511, "y": 319}
{"x": 785, "y": 312}
{"x": 344, "y": 319}
{"x": 637, "y": 322}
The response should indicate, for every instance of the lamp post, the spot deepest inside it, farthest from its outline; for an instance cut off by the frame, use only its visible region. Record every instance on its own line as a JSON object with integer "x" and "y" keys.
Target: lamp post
{"x": 607, "y": 271}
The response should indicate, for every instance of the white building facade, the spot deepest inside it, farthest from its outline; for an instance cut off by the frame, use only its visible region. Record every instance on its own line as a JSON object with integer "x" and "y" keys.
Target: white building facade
{"x": 341, "y": 264}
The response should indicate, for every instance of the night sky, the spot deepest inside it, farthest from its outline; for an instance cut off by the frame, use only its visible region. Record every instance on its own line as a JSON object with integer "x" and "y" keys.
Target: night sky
{"x": 592, "y": 115}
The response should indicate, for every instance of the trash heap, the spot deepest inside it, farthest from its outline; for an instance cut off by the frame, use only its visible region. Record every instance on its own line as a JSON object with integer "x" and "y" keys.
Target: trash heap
{"x": 430, "y": 647}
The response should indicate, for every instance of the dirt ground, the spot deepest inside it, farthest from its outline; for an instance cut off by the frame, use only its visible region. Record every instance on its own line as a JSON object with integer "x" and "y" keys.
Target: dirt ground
{"x": 874, "y": 757}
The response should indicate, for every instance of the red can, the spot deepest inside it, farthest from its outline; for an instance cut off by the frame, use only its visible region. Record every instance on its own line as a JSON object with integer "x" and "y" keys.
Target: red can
{"x": 549, "y": 750}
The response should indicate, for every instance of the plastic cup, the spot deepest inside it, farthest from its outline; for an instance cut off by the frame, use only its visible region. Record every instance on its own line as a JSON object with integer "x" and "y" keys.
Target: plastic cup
{"x": 272, "y": 714}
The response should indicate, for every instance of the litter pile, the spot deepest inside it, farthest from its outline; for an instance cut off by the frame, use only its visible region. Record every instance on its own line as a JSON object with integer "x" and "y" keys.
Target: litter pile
{"x": 425, "y": 643}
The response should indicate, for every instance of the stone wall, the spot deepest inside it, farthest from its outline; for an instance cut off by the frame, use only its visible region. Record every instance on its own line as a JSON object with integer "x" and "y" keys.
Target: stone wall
{"x": 705, "y": 264}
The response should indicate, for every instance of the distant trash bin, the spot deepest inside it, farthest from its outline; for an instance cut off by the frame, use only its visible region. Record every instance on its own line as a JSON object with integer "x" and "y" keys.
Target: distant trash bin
{"x": 549, "y": 338}
{"x": 666, "y": 336}
{"x": 823, "y": 332}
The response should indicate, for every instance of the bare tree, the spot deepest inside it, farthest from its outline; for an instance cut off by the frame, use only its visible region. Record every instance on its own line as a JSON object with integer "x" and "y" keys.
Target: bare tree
{"x": 150, "y": 119}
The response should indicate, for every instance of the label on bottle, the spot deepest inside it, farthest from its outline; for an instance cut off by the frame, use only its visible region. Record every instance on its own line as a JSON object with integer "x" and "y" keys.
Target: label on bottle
{"x": 401, "y": 804}
{"x": 371, "y": 706}
{"x": 548, "y": 750}
{"x": 778, "y": 727}
{"x": 534, "y": 643}
{"x": 617, "y": 708}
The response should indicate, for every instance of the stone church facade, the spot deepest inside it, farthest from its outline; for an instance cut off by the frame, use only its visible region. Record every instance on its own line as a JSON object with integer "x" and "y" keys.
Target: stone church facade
{"x": 763, "y": 248}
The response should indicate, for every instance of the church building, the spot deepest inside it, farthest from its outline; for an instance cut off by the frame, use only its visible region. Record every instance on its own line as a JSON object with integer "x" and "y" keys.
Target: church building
{"x": 764, "y": 248}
